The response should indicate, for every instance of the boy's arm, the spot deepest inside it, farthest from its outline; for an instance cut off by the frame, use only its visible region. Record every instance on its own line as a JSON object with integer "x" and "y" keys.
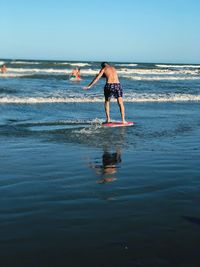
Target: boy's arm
{"x": 95, "y": 79}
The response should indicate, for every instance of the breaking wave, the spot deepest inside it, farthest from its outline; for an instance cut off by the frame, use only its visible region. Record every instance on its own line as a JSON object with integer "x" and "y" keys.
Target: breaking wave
{"x": 177, "y": 66}
{"x": 25, "y": 62}
{"x": 126, "y": 65}
{"x": 135, "y": 97}
{"x": 134, "y": 74}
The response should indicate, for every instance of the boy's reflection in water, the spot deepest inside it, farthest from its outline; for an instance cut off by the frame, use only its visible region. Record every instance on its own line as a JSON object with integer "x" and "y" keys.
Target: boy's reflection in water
{"x": 108, "y": 169}
{"x": 111, "y": 158}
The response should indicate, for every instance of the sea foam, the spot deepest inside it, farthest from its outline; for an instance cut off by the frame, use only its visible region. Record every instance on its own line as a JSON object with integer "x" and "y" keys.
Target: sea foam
{"x": 134, "y": 97}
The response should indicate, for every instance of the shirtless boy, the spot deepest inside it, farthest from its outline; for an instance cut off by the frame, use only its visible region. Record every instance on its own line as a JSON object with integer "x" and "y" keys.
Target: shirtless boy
{"x": 111, "y": 88}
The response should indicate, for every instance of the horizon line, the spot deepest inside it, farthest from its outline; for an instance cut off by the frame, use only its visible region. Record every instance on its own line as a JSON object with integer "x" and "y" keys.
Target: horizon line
{"x": 74, "y": 60}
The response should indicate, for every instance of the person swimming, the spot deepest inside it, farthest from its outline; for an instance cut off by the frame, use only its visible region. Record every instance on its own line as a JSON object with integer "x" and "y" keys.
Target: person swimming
{"x": 3, "y": 68}
{"x": 75, "y": 74}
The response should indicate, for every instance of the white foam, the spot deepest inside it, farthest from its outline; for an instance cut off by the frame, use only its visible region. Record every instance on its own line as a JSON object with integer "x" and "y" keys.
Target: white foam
{"x": 155, "y": 71}
{"x": 95, "y": 125}
{"x": 159, "y": 74}
{"x": 49, "y": 71}
{"x": 134, "y": 74}
{"x": 126, "y": 65}
{"x": 40, "y": 100}
{"x": 172, "y": 97}
{"x": 90, "y": 71}
{"x": 25, "y": 62}
{"x": 79, "y": 64}
{"x": 35, "y": 70}
{"x": 12, "y": 75}
{"x": 2, "y": 62}
{"x": 164, "y": 78}
{"x": 134, "y": 97}
{"x": 177, "y": 66}
{"x": 95, "y": 71}
{"x": 60, "y": 63}
{"x": 145, "y": 71}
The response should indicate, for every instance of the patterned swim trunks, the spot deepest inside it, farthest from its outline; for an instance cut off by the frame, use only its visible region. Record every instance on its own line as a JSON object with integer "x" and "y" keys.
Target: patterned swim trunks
{"x": 113, "y": 89}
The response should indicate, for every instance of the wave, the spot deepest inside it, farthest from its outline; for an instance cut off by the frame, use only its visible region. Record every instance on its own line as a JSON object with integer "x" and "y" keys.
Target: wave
{"x": 135, "y": 78}
{"x": 25, "y": 62}
{"x": 47, "y": 71}
{"x": 158, "y": 74}
{"x": 37, "y": 70}
{"x": 75, "y": 64}
{"x": 155, "y": 71}
{"x": 177, "y": 66}
{"x": 92, "y": 71}
{"x": 164, "y": 78}
{"x": 128, "y": 98}
{"x": 128, "y": 73}
{"x": 126, "y": 65}
{"x": 12, "y": 75}
{"x": 79, "y": 64}
{"x": 2, "y": 62}
{"x": 146, "y": 71}
{"x": 40, "y": 100}
{"x": 170, "y": 97}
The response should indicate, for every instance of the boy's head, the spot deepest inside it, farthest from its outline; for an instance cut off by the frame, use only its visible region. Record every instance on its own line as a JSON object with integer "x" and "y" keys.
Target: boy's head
{"x": 104, "y": 64}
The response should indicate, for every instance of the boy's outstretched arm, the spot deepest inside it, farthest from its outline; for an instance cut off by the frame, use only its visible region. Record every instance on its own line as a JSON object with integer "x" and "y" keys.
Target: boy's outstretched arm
{"x": 95, "y": 79}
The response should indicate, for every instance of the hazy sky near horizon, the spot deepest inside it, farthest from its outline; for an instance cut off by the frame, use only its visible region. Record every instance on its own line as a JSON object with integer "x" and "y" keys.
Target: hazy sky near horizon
{"x": 114, "y": 30}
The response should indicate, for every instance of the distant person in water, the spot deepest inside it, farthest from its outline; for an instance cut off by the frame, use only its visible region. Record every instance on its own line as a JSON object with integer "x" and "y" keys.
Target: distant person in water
{"x": 111, "y": 88}
{"x": 76, "y": 74}
{"x": 3, "y": 68}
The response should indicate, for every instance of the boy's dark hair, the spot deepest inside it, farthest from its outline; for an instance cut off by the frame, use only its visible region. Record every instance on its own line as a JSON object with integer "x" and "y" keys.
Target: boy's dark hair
{"x": 103, "y": 64}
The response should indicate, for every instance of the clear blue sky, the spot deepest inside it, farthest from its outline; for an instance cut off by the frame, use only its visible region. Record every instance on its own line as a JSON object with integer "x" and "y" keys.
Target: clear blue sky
{"x": 111, "y": 30}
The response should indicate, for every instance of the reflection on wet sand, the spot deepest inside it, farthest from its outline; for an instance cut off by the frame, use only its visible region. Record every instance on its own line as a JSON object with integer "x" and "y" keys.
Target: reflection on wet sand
{"x": 108, "y": 169}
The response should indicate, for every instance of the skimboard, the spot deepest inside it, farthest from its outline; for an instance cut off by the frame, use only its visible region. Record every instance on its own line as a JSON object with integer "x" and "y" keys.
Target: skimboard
{"x": 118, "y": 124}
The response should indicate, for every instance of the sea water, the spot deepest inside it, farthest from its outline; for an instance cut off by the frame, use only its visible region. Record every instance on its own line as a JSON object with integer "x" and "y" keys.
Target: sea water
{"x": 73, "y": 193}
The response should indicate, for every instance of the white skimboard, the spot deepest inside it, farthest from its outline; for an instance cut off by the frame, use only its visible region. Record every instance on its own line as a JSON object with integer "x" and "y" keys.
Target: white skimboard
{"x": 118, "y": 124}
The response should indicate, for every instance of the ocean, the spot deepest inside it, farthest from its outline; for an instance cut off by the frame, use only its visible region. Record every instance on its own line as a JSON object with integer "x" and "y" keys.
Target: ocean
{"x": 73, "y": 193}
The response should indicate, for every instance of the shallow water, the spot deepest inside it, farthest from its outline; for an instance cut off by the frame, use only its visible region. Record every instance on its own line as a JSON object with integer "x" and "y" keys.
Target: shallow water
{"x": 76, "y": 194}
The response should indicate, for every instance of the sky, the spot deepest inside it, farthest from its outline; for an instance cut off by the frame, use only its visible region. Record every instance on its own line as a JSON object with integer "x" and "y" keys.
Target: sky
{"x": 165, "y": 31}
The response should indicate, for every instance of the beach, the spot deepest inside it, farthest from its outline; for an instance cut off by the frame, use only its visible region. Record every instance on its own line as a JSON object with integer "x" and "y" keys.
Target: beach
{"x": 74, "y": 193}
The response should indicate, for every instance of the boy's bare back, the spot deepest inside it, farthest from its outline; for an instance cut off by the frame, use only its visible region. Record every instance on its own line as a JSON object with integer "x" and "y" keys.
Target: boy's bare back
{"x": 111, "y": 74}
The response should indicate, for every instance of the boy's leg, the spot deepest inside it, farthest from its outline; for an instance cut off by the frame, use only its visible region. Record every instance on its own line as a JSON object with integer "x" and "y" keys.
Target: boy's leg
{"x": 107, "y": 109}
{"x": 122, "y": 109}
